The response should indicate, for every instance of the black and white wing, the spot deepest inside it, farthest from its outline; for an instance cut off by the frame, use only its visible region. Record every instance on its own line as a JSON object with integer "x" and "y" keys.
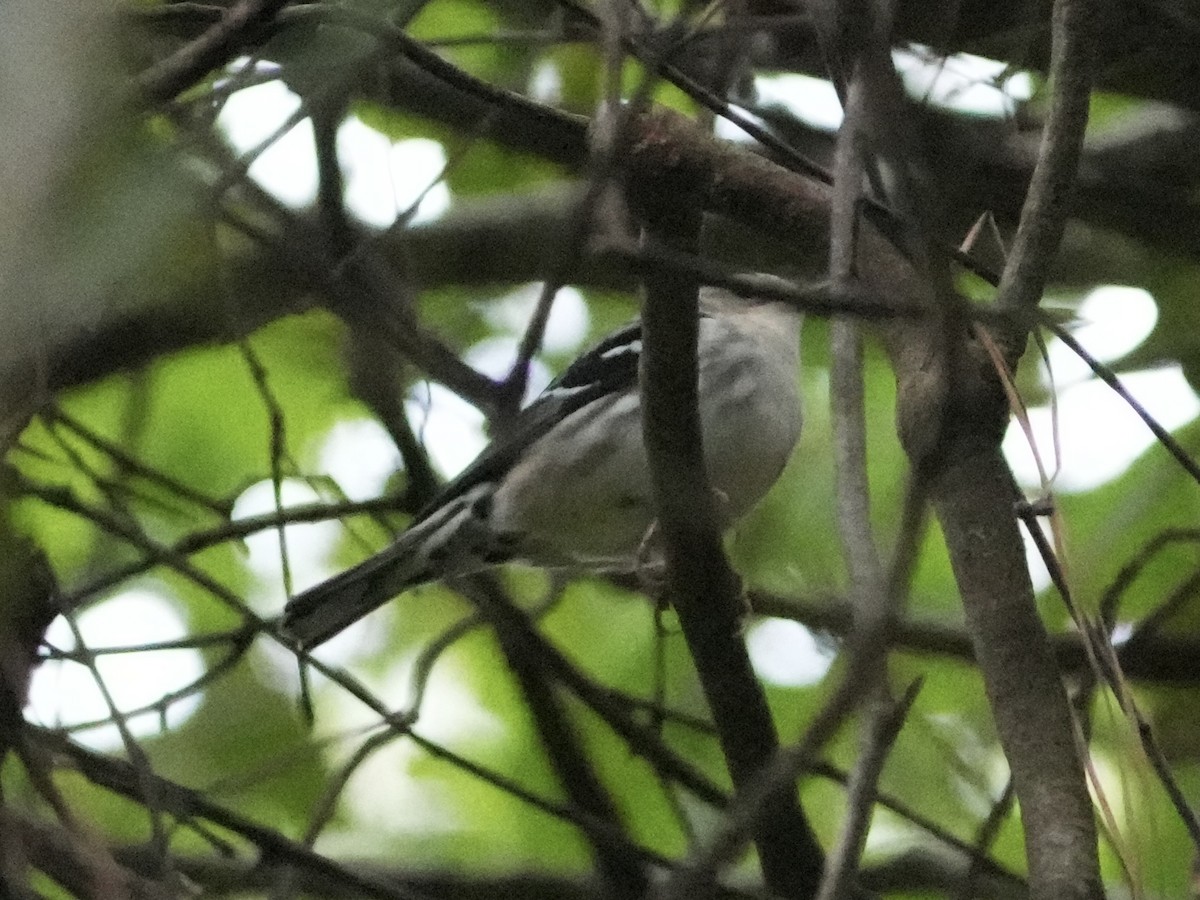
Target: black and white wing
{"x": 452, "y": 535}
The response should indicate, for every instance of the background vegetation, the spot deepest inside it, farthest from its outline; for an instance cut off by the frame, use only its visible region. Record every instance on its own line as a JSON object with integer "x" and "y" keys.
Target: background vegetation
{"x": 182, "y": 348}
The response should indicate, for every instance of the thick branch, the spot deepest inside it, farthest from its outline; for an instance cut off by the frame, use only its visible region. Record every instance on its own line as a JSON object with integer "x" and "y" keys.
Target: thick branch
{"x": 974, "y": 496}
{"x": 1155, "y": 658}
{"x": 704, "y": 590}
{"x": 509, "y": 239}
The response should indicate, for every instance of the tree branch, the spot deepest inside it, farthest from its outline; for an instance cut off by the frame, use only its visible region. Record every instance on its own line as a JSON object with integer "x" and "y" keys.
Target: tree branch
{"x": 974, "y": 496}
{"x": 705, "y": 592}
{"x": 215, "y": 47}
{"x": 124, "y": 779}
{"x": 1075, "y": 26}
{"x": 1155, "y": 658}
{"x": 622, "y": 871}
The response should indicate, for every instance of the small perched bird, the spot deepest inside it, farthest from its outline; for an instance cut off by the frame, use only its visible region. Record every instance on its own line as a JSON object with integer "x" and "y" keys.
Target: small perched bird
{"x": 568, "y": 485}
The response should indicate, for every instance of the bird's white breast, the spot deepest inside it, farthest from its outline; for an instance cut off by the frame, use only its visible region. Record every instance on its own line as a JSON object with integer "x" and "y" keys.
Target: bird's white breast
{"x": 589, "y": 501}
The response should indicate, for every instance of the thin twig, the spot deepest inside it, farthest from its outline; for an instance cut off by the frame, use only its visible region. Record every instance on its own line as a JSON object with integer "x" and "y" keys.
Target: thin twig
{"x": 1162, "y": 768}
{"x": 884, "y": 718}
{"x": 210, "y": 676}
{"x": 216, "y": 46}
{"x": 231, "y": 531}
{"x": 1132, "y": 569}
{"x": 759, "y": 794}
{"x": 277, "y": 452}
{"x": 1160, "y": 658}
{"x": 1105, "y": 374}
{"x": 150, "y": 796}
{"x": 123, "y": 778}
{"x": 846, "y": 395}
{"x": 986, "y": 835}
{"x": 623, "y": 873}
{"x": 53, "y": 411}
{"x": 820, "y": 299}
{"x": 191, "y": 642}
{"x": 580, "y": 818}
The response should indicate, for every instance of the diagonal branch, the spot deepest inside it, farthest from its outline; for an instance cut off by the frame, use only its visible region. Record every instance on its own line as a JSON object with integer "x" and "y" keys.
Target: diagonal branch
{"x": 622, "y": 872}
{"x": 123, "y": 779}
{"x": 215, "y": 47}
{"x": 1075, "y": 25}
{"x": 705, "y": 592}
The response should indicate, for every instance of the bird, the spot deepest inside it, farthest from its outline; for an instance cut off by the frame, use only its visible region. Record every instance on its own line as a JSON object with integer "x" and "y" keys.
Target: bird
{"x": 567, "y": 485}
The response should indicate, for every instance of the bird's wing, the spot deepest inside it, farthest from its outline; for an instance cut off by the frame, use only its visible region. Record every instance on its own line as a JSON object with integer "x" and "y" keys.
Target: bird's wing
{"x": 450, "y": 536}
{"x": 610, "y": 367}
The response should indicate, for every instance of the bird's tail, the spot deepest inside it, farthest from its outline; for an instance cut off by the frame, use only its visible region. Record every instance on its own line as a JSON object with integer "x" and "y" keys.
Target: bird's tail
{"x": 453, "y": 540}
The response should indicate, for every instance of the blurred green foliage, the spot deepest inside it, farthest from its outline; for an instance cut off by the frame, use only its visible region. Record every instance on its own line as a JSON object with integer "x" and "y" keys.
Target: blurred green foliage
{"x": 130, "y": 228}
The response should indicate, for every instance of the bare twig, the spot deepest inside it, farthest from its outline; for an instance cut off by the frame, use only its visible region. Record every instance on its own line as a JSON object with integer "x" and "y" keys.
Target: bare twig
{"x": 559, "y": 134}
{"x": 216, "y": 46}
{"x": 986, "y": 835}
{"x": 277, "y": 449}
{"x": 884, "y": 718}
{"x": 53, "y": 412}
{"x": 1132, "y": 569}
{"x": 215, "y": 671}
{"x": 1105, "y": 374}
{"x": 1162, "y": 768}
{"x": 872, "y": 605}
{"x": 820, "y": 299}
{"x": 148, "y": 793}
{"x": 581, "y": 818}
{"x": 622, "y": 871}
{"x": 124, "y": 779}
